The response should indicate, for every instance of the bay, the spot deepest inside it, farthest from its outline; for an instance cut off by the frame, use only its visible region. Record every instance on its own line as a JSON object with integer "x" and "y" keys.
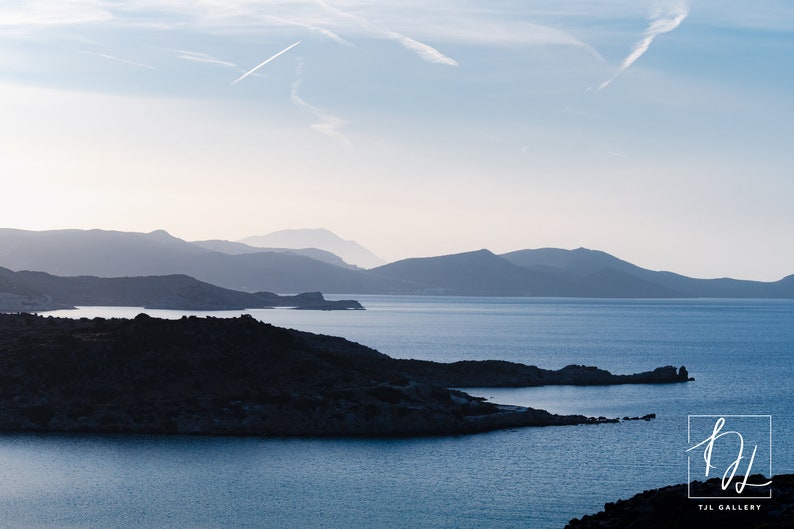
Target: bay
{"x": 739, "y": 351}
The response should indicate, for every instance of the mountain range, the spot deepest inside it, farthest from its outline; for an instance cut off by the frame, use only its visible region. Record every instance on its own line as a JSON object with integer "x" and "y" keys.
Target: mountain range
{"x": 238, "y": 266}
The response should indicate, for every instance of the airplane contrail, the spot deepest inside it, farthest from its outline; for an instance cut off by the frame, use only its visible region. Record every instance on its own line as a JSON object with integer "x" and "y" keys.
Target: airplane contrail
{"x": 258, "y": 66}
{"x": 662, "y": 23}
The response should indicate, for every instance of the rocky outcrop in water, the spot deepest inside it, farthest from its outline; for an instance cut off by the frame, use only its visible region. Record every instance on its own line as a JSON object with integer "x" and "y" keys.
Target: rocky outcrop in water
{"x": 670, "y": 507}
{"x": 234, "y": 376}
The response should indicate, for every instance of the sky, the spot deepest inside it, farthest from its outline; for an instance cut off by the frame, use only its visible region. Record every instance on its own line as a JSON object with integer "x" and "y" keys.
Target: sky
{"x": 657, "y": 131}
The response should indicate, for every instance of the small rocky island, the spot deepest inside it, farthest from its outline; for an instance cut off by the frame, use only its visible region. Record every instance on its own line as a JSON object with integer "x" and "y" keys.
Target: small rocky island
{"x": 239, "y": 376}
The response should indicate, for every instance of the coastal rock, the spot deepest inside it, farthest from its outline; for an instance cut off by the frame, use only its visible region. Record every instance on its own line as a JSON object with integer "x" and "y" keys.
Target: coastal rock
{"x": 224, "y": 376}
{"x": 669, "y": 507}
{"x": 14, "y": 302}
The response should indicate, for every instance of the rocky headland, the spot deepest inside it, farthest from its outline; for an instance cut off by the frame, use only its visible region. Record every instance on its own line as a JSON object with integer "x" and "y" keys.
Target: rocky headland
{"x": 36, "y": 292}
{"x": 500, "y": 373}
{"x": 670, "y": 507}
{"x": 239, "y": 376}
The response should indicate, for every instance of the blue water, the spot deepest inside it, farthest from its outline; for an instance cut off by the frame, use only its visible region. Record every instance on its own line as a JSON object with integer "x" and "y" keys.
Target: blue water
{"x": 739, "y": 351}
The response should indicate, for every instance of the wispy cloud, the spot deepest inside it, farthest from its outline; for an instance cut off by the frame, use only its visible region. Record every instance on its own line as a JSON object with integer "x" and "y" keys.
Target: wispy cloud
{"x": 328, "y": 124}
{"x": 317, "y": 29}
{"x": 664, "y": 20}
{"x": 412, "y": 23}
{"x": 480, "y": 23}
{"x": 125, "y": 61}
{"x": 258, "y": 66}
{"x": 425, "y": 52}
{"x": 197, "y": 56}
{"x": 428, "y": 53}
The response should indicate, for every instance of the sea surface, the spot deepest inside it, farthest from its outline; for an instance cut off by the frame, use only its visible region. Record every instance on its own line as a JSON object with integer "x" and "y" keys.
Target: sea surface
{"x": 741, "y": 353}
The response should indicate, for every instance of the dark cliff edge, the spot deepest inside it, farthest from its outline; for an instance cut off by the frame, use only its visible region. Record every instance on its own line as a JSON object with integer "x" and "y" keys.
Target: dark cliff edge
{"x": 669, "y": 507}
{"x": 227, "y": 376}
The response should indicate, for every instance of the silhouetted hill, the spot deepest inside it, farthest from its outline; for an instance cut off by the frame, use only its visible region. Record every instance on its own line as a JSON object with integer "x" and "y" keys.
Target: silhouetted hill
{"x": 350, "y": 251}
{"x": 580, "y": 262}
{"x": 611, "y": 283}
{"x": 38, "y": 291}
{"x": 564, "y": 273}
{"x": 602, "y": 275}
{"x": 479, "y": 273}
{"x": 234, "y": 376}
{"x": 95, "y": 252}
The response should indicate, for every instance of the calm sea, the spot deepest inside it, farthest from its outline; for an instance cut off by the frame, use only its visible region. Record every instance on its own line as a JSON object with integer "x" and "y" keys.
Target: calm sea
{"x": 741, "y": 353}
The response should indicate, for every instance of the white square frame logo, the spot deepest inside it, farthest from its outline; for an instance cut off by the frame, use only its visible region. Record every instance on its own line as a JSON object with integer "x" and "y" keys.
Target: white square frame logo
{"x": 765, "y": 418}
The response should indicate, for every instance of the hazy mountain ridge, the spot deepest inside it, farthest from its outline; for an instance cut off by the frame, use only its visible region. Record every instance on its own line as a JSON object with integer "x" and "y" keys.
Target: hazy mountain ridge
{"x": 586, "y": 265}
{"x": 122, "y": 254}
{"x": 237, "y": 248}
{"x": 547, "y": 272}
{"x": 93, "y": 252}
{"x": 320, "y": 238}
{"x": 471, "y": 273}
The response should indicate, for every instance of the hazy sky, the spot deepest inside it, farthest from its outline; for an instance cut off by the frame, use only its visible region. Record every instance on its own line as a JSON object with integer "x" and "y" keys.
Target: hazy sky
{"x": 658, "y": 131}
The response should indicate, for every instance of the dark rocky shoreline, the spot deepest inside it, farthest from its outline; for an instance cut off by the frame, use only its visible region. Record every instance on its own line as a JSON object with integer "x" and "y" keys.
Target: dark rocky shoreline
{"x": 238, "y": 376}
{"x": 669, "y": 507}
{"x": 499, "y": 373}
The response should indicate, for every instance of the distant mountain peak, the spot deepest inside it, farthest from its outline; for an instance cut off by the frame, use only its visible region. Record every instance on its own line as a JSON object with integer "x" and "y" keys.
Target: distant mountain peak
{"x": 319, "y": 231}
{"x": 320, "y": 238}
{"x": 162, "y": 236}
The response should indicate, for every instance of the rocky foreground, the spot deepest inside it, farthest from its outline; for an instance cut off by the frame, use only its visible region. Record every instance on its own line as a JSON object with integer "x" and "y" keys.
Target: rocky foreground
{"x": 239, "y": 376}
{"x": 671, "y": 507}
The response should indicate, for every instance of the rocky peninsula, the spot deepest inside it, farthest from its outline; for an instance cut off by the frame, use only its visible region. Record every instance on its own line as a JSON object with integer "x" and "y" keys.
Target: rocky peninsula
{"x": 499, "y": 373}
{"x": 36, "y": 292}
{"x": 239, "y": 376}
